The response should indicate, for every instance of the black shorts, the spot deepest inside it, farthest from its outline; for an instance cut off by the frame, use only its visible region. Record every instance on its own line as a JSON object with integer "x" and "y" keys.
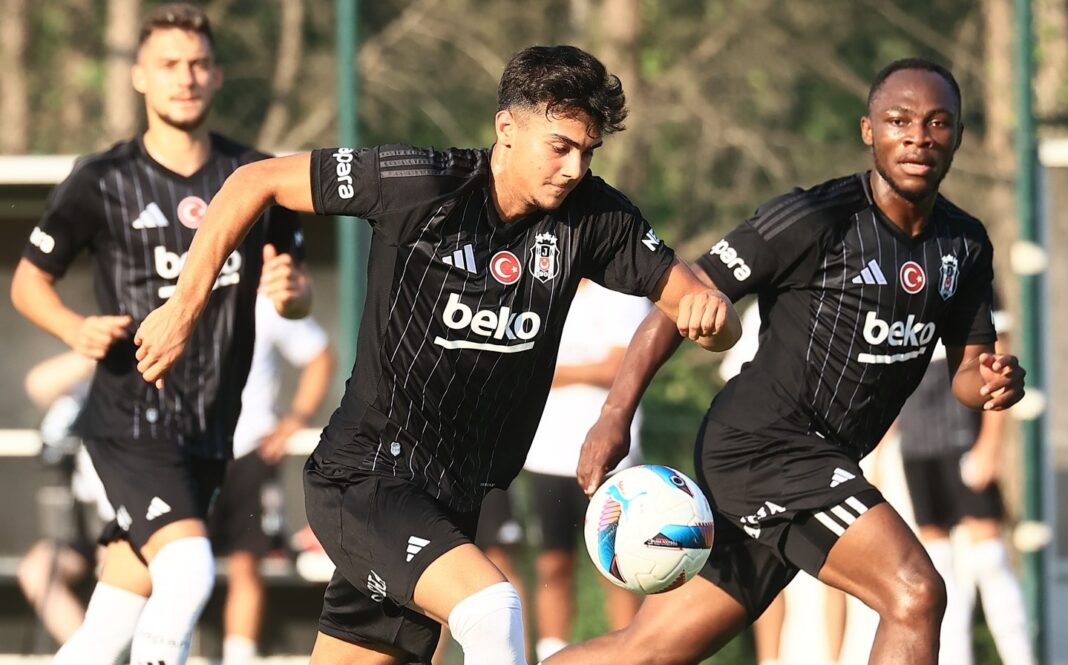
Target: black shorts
{"x": 782, "y": 499}
{"x": 247, "y": 515}
{"x": 497, "y": 523}
{"x": 381, "y": 533}
{"x": 940, "y": 497}
{"x": 560, "y": 508}
{"x": 152, "y": 483}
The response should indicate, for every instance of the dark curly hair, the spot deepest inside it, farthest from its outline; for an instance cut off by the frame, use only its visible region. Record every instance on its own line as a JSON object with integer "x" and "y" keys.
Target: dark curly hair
{"x": 564, "y": 80}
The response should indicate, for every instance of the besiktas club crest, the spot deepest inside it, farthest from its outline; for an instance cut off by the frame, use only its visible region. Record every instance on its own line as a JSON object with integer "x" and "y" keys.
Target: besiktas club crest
{"x": 544, "y": 257}
{"x": 948, "y": 277}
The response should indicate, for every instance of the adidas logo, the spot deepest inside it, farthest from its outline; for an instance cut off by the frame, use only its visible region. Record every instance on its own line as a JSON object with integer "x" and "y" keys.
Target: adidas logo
{"x": 840, "y": 476}
{"x": 463, "y": 259}
{"x": 416, "y": 544}
{"x": 870, "y": 275}
{"x": 151, "y": 218}
{"x": 156, "y": 508}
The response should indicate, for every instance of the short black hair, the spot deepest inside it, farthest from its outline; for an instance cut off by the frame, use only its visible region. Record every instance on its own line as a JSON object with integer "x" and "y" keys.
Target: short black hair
{"x": 181, "y": 15}
{"x": 563, "y": 79}
{"x": 914, "y": 63}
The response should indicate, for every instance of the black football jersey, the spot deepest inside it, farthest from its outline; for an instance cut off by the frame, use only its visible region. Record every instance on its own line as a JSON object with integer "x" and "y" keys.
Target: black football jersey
{"x": 137, "y": 218}
{"x": 851, "y": 309}
{"x": 464, "y": 313}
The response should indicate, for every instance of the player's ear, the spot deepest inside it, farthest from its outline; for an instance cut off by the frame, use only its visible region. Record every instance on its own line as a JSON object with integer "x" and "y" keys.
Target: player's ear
{"x": 138, "y": 77}
{"x": 505, "y": 125}
{"x": 866, "y": 131}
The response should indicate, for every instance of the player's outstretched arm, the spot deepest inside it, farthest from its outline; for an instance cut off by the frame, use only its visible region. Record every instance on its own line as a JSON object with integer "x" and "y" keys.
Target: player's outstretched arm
{"x": 701, "y": 312}
{"x": 249, "y": 190}
{"x": 608, "y": 441}
{"x": 983, "y": 379}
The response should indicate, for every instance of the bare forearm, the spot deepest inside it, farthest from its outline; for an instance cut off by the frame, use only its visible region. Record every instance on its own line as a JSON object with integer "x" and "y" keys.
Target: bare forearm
{"x": 233, "y": 211}
{"x": 653, "y": 343}
{"x": 967, "y": 383}
{"x": 34, "y": 296}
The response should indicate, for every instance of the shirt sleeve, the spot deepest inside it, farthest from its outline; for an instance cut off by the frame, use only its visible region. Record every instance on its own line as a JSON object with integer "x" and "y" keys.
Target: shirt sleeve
{"x": 631, "y": 258}
{"x": 345, "y": 181}
{"x": 754, "y": 256}
{"x": 70, "y": 223}
{"x": 971, "y": 315}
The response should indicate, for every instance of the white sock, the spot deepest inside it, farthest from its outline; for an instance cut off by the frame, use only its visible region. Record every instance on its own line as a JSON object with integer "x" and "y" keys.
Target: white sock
{"x": 105, "y": 634}
{"x": 547, "y": 646}
{"x": 183, "y": 573}
{"x": 956, "y": 635}
{"x": 488, "y": 624}
{"x": 238, "y": 650}
{"x": 1002, "y": 602}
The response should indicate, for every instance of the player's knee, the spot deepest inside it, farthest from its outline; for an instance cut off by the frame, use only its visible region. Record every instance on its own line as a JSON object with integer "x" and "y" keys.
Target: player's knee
{"x": 488, "y": 624}
{"x": 184, "y": 572}
{"x": 921, "y": 598}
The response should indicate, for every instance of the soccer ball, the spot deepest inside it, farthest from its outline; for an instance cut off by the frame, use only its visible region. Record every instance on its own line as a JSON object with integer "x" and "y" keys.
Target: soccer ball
{"x": 649, "y": 529}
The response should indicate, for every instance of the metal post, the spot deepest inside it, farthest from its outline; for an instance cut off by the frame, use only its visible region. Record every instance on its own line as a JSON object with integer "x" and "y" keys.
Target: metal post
{"x": 1028, "y": 341}
{"x": 351, "y": 234}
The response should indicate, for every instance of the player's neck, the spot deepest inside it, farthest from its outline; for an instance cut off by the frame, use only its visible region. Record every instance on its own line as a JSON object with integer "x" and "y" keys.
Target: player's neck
{"x": 177, "y": 150}
{"x": 909, "y": 216}
{"x": 510, "y": 206}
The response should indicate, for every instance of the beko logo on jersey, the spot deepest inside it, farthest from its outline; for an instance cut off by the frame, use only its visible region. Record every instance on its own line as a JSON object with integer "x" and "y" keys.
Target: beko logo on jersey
{"x": 169, "y": 266}
{"x": 908, "y": 333}
{"x": 730, "y": 258}
{"x": 42, "y": 240}
{"x": 343, "y": 157}
{"x": 501, "y": 325}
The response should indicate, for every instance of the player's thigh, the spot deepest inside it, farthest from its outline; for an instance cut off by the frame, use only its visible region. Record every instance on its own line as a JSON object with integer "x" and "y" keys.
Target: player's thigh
{"x": 462, "y": 571}
{"x": 124, "y": 569}
{"x": 383, "y": 534}
{"x": 879, "y": 560}
{"x": 153, "y": 484}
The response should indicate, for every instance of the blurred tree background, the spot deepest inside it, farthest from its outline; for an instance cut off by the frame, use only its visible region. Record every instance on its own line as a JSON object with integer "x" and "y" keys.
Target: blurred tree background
{"x": 733, "y": 101}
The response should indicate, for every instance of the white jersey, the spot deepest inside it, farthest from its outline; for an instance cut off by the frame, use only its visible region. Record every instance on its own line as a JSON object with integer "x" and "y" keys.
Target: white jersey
{"x": 296, "y": 340}
{"x": 599, "y": 320}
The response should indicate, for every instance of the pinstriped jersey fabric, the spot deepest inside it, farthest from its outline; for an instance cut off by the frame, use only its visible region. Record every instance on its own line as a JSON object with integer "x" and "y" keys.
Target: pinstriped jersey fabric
{"x": 464, "y": 312}
{"x": 851, "y": 309}
{"x": 137, "y": 220}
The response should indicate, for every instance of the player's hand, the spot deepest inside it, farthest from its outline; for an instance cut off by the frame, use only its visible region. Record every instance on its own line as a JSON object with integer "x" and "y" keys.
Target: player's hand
{"x": 1003, "y": 380}
{"x": 273, "y": 446}
{"x": 96, "y": 334}
{"x": 702, "y": 315}
{"x": 607, "y": 443}
{"x": 161, "y": 339}
{"x": 282, "y": 280}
